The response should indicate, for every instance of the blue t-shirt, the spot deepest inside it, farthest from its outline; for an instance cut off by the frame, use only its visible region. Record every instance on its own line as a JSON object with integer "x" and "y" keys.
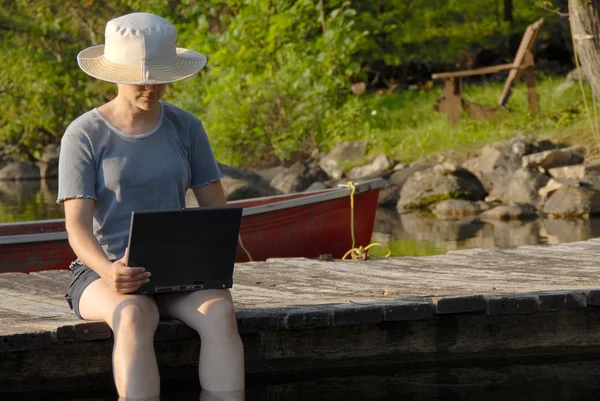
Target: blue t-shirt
{"x": 123, "y": 172}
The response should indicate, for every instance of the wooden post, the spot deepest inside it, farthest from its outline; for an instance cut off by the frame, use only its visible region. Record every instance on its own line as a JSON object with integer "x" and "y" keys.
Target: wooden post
{"x": 451, "y": 103}
{"x": 532, "y": 95}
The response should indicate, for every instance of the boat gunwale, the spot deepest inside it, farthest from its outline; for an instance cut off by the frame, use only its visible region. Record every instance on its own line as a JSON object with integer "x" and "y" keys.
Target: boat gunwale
{"x": 319, "y": 196}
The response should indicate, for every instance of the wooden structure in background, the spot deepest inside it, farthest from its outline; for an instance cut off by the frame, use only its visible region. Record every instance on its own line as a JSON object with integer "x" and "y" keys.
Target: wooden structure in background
{"x": 452, "y": 103}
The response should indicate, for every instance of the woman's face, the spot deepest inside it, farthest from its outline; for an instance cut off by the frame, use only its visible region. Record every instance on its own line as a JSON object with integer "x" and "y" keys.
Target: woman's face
{"x": 145, "y": 97}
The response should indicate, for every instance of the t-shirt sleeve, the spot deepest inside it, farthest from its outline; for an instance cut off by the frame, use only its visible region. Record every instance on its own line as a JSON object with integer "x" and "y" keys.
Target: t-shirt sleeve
{"x": 76, "y": 168}
{"x": 203, "y": 163}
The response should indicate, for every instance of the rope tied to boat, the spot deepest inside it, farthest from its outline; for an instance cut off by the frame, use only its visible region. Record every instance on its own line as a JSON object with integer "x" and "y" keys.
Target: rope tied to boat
{"x": 360, "y": 253}
{"x": 244, "y": 248}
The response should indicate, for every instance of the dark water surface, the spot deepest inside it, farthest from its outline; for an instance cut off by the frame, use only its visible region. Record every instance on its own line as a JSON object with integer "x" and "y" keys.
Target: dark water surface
{"x": 405, "y": 235}
{"x": 579, "y": 380}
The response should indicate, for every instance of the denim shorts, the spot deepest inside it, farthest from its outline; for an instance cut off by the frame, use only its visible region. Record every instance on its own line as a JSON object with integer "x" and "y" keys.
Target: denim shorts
{"x": 81, "y": 277}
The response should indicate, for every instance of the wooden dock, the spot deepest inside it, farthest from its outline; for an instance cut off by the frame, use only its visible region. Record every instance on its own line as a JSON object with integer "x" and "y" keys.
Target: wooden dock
{"x": 296, "y": 314}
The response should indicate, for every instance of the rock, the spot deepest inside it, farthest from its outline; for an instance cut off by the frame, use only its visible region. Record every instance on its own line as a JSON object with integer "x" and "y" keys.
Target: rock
{"x": 290, "y": 182}
{"x": 298, "y": 177}
{"x": 269, "y": 173}
{"x": 574, "y": 172}
{"x": 399, "y": 177}
{"x": 453, "y": 209}
{"x": 512, "y": 151}
{"x": 244, "y": 184}
{"x": 554, "y": 158}
{"x": 316, "y": 186}
{"x": 20, "y": 171}
{"x": 388, "y": 194}
{"x": 377, "y": 166}
{"x": 591, "y": 180}
{"x": 571, "y": 201}
{"x": 400, "y": 166}
{"x": 572, "y": 77}
{"x": 441, "y": 182}
{"x": 238, "y": 189}
{"x": 314, "y": 172}
{"x": 483, "y": 166}
{"x": 509, "y": 212}
{"x": 554, "y": 184}
{"x": 524, "y": 186}
{"x": 347, "y": 152}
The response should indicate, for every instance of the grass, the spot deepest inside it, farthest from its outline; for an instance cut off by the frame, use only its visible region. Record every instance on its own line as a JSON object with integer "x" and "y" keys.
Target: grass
{"x": 405, "y": 127}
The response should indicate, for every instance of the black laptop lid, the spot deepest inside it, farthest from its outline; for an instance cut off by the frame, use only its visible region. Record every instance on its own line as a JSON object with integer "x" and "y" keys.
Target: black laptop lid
{"x": 182, "y": 247}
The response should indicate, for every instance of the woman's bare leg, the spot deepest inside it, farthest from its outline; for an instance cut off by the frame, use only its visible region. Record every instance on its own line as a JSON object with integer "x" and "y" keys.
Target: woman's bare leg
{"x": 133, "y": 319}
{"x": 211, "y": 314}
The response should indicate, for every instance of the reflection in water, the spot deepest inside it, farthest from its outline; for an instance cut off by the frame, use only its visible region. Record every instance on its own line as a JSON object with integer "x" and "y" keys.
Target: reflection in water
{"x": 416, "y": 234}
{"x": 29, "y": 200}
{"x": 559, "y": 380}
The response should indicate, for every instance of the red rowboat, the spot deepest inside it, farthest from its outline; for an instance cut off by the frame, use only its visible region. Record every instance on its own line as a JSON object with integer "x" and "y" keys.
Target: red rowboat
{"x": 305, "y": 224}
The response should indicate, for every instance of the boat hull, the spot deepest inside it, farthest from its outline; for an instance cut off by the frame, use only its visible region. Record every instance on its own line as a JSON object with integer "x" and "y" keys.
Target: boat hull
{"x": 297, "y": 225}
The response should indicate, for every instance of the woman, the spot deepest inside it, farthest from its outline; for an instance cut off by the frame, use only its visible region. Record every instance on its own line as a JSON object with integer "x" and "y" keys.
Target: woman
{"x": 134, "y": 153}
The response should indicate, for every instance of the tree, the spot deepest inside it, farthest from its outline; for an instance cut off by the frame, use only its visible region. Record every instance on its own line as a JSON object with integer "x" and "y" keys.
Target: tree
{"x": 584, "y": 18}
{"x": 508, "y": 10}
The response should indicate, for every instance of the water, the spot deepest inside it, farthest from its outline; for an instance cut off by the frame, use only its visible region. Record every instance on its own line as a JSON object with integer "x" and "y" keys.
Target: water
{"x": 569, "y": 380}
{"x": 406, "y": 235}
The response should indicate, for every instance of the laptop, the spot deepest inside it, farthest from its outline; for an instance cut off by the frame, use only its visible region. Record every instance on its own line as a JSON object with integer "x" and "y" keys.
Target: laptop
{"x": 185, "y": 249}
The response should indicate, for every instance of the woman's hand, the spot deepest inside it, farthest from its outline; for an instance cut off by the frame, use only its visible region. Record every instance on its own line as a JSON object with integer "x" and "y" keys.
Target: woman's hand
{"x": 124, "y": 279}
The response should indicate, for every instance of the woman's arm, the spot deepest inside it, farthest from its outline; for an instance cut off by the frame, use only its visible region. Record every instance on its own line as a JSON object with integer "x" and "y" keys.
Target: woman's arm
{"x": 79, "y": 219}
{"x": 210, "y": 194}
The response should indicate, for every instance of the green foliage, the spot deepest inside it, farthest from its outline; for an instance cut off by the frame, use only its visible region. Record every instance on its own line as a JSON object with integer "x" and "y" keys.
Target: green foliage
{"x": 41, "y": 88}
{"x": 285, "y": 67}
{"x": 436, "y": 30}
{"x": 279, "y": 72}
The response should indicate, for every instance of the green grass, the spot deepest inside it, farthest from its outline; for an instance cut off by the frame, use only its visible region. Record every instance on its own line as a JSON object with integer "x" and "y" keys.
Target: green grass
{"x": 404, "y": 125}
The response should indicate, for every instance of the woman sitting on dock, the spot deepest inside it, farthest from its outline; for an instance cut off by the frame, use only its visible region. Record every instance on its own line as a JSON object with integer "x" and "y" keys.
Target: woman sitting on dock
{"x": 137, "y": 152}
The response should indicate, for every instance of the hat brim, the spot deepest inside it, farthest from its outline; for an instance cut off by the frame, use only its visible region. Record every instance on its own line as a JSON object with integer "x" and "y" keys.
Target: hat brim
{"x": 93, "y": 63}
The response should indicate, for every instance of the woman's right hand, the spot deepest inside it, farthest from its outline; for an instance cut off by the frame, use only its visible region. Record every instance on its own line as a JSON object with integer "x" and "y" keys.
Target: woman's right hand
{"x": 123, "y": 279}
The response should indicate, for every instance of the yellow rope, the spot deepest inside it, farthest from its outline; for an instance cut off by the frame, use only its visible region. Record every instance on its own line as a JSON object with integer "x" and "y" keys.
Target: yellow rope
{"x": 244, "y": 248}
{"x": 360, "y": 253}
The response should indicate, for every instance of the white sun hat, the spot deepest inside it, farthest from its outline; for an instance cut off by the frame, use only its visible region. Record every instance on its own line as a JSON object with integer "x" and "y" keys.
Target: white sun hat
{"x": 140, "y": 49}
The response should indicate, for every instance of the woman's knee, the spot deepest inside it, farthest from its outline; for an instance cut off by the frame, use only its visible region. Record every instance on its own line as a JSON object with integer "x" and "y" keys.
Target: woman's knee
{"x": 217, "y": 316}
{"x": 136, "y": 315}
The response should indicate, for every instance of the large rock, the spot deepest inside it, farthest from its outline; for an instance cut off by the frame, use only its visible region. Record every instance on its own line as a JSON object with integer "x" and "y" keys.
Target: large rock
{"x": 524, "y": 187}
{"x": 390, "y": 191}
{"x": 483, "y": 165}
{"x": 20, "y": 171}
{"x": 573, "y": 172}
{"x": 244, "y": 184}
{"x": 344, "y": 153}
{"x": 554, "y": 158}
{"x": 377, "y": 166}
{"x": 510, "y": 160}
{"x": 298, "y": 177}
{"x": 571, "y": 201}
{"x": 441, "y": 182}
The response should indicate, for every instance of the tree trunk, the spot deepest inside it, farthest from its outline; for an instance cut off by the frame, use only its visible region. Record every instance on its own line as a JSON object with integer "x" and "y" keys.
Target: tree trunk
{"x": 584, "y": 18}
{"x": 508, "y": 11}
